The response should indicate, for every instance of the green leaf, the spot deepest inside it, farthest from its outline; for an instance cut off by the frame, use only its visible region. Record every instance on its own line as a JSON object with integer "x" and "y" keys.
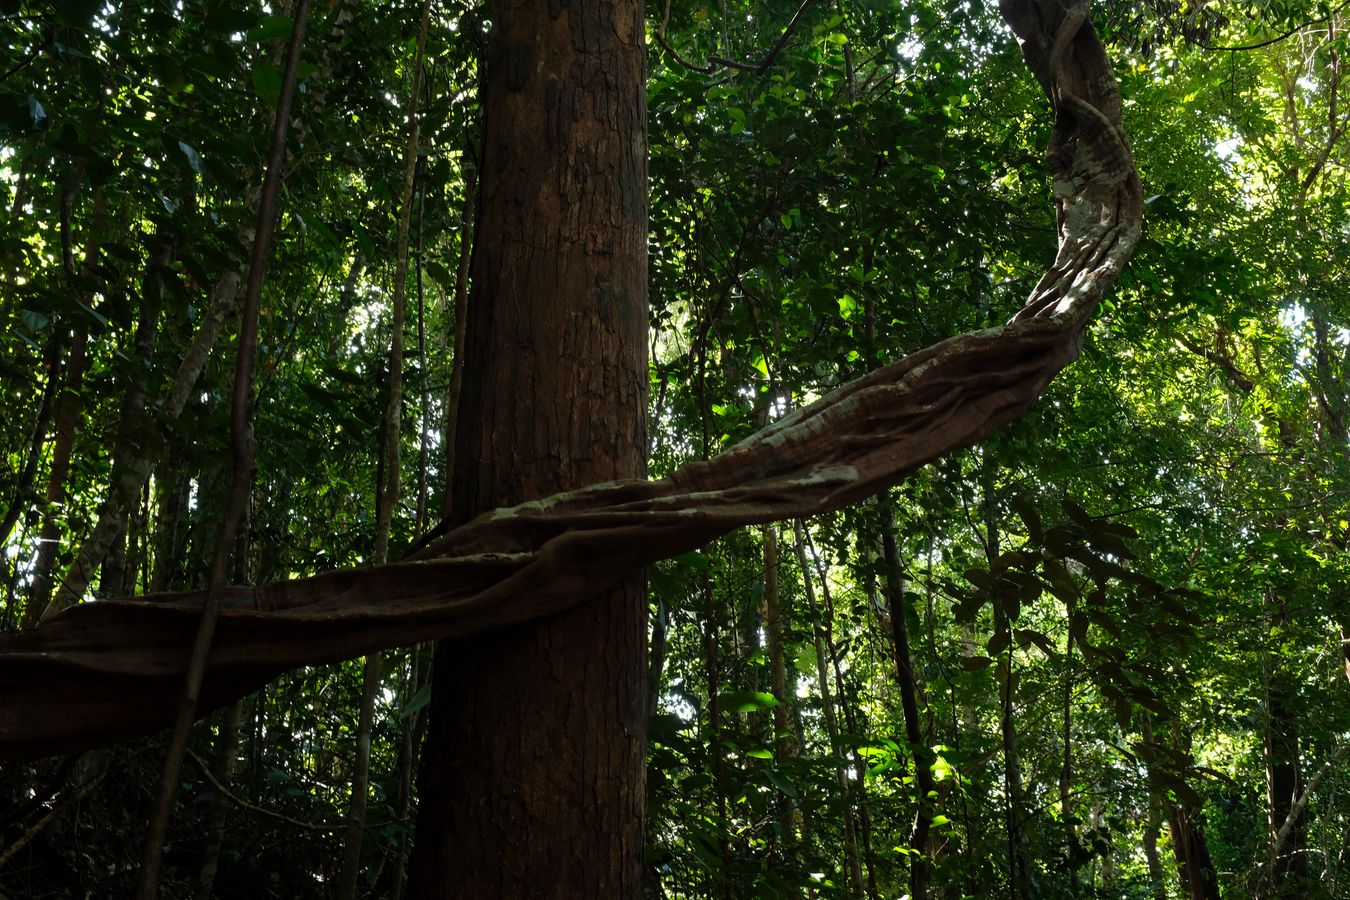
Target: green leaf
{"x": 1077, "y": 513}
{"x": 747, "y": 701}
{"x": 419, "y": 700}
{"x": 270, "y": 28}
{"x": 267, "y": 82}
{"x": 1124, "y": 713}
{"x": 1031, "y": 636}
{"x": 193, "y": 158}
{"x": 34, "y": 321}
{"x": 778, "y": 781}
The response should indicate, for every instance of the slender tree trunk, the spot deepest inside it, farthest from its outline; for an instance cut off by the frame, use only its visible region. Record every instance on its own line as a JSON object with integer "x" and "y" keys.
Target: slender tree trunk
{"x": 831, "y": 715}
{"x": 1195, "y": 868}
{"x": 243, "y": 459}
{"x": 68, "y": 408}
{"x": 783, "y": 745}
{"x": 921, "y": 865}
{"x": 424, "y": 401}
{"x": 1066, "y": 769}
{"x": 227, "y": 752}
{"x": 1152, "y": 829}
{"x": 413, "y": 723}
{"x": 712, "y": 673}
{"x": 23, "y": 484}
{"x": 130, "y": 447}
{"x": 461, "y": 314}
{"x": 173, "y": 506}
{"x": 1190, "y": 848}
{"x": 1288, "y": 873}
{"x": 850, "y": 724}
{"x": 1019, "y": 866}
{"x": 356, "y": 811}
{"x": 533, "y": 782}
{"x": 392, "y": 485}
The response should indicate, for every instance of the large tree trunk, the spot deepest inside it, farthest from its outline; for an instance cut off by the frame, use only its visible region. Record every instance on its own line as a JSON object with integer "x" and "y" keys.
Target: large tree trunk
{"x": 533, "y": 778}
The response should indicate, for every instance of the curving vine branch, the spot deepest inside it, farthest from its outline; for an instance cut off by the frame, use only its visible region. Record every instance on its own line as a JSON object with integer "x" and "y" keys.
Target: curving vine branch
{"x": 109, "y": 670}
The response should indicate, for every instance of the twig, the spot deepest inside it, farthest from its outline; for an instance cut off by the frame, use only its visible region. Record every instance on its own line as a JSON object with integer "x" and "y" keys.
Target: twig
{"x": 1279, "y": 37}
{"x": 251, "y": 807}
{"x": 40, "y": 825}
{"x": 721, "y": 62}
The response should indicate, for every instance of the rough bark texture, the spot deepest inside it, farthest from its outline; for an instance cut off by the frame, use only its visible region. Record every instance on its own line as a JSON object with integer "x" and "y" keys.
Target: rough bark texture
{"x": 532, "y": 783}
{"x": 113, "y": 667}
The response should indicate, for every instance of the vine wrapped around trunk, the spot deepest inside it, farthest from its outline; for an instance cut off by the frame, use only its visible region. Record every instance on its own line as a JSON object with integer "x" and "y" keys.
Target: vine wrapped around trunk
{"x": 113, "y": 669}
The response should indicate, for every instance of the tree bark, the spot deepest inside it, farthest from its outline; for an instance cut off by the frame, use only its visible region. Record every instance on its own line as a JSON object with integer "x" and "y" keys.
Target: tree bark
{"x": 1195, "y": 868}
{"x": 831, "y": 715}
{"x": 1288, "y": 873}
{"x": 784, "y": 746}
{"x": 533, "y": 778}
{"x": 1019, "y": 866}
{"x": 130, "y": 447}
{"x": 461, "y": 315}
{"x": 23, "y": 484}
{"x": 228, "y": 751}
{"x": 68, "y": 407}
{"x": 921, "y": 864}
{"x": 1190, "y": 847}
{"x": 356, "y": 811}
{"x": 1152, "y": 828}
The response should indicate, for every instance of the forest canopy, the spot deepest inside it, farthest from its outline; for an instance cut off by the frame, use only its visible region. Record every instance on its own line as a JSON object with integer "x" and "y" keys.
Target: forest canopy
{"x": 308, "y": 301}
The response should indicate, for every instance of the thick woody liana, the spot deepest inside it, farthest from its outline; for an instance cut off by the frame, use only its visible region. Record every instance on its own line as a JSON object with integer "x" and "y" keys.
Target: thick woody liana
{"x": 112, "y": 669}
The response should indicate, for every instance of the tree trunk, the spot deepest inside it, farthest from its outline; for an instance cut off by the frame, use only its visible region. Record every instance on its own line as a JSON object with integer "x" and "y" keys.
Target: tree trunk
{"x": 1066, "y": 770}
{"x": 22, "y": 489}
{"x": 783, "y": 745}
{"x": 1019, "y": 866}
{"x": 227, "y": 753}
{"x": 1190, "y": 848}
{"x": 356, "y": 812}
{"x": 1288, "y": 873}
{"x": 921, "y": 865}
{"x": 1152, "y": 827}
{"x": 533, "y": 778}
{"x": 1195, "y": 869}
{"x": 717, "y": 763}
{"x": 461, "y": 318}
{"x": 63, "y": 440}
{"x": 418, "y": 672}
{"x": 831, "y": 716}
